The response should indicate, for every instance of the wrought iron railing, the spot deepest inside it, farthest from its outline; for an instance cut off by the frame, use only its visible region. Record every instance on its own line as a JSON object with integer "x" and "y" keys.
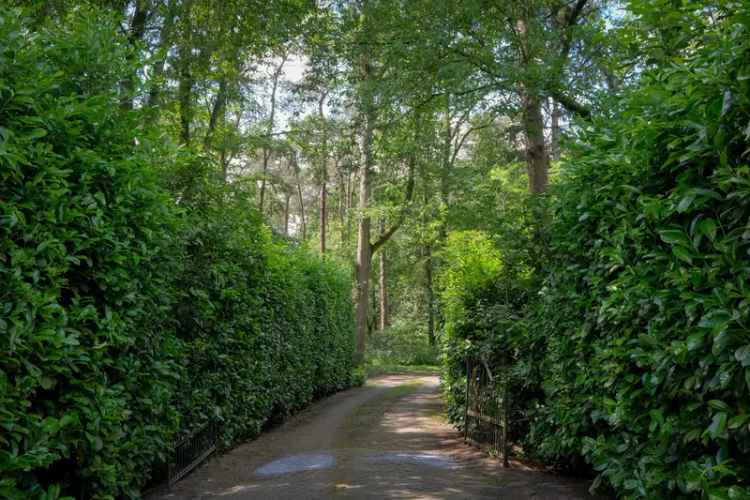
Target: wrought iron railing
{"x": 190, "y": 451}
{"x": 487, "y": 408}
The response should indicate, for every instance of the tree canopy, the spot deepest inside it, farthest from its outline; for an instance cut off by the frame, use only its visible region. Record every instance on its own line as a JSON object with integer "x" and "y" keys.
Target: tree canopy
{"x": 213, "y": 212}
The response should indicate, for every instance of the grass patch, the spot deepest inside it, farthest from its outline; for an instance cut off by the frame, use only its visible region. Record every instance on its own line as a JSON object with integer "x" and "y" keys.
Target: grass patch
{"x": 376, "y": 369}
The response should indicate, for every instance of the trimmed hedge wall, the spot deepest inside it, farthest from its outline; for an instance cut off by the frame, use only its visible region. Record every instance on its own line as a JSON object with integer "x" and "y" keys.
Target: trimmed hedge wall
{"x": 138, "y": 298}
{"x": 632, "y": 352}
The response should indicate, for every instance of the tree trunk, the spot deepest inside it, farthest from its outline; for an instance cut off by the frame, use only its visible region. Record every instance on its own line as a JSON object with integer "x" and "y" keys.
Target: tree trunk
{"x": 165, "y": 39}
{"x": 555, "y": 130}
{"x": 342, "y": 205}
{"x": 323, "y": 173}
{"x": 271, "y": 119}
{"x": 383, "y": 285}
{"x": 287, "y": 197}
{"x": 363, "y": 231}
{"x": 185, "y": 92}
{"x": 300, "y": 199}
{"x": 537, "y": 161}
{"x": 349, "y": 206}
{"x": 429, "y": 296}
{"x": 445, "y": 171}
{"x": 323, "y": 218}
{"x": 136, "y": 30}
{"x": 217, "y": 111}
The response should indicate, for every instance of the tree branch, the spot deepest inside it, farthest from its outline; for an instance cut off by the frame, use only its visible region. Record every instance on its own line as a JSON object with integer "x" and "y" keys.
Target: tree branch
{"x": 384, "y": 237}
{"x": 570, "y": 104}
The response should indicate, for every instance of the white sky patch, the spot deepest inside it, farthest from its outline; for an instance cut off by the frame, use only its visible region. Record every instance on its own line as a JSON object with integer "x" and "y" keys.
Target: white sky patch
{"x": 294, "y": 69}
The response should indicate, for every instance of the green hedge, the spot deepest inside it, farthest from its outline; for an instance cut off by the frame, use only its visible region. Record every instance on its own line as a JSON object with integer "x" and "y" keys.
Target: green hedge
{"x": 646, "y": 310}
{"x": 635, "y": 352}
{"x": 267, "y": 327}
{"x": 139, "y": 299}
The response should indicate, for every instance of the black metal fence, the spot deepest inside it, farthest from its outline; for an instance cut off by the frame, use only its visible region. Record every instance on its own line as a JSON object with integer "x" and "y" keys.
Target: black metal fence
{"x": 190, "y": 451}
{"x": 487, "y": 408}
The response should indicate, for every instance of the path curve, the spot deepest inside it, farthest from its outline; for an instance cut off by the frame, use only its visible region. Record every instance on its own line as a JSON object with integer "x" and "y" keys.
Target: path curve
{"x": 385, "y": 440}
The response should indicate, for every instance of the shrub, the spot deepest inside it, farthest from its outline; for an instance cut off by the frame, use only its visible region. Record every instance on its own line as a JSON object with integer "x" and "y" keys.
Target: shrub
{"x": 404, "y": 343}
{"x": 140, "y": 299}
{"x": 87, "y": 361}
{"x": 638, "y": 333}
{"x": 646, "y": 307}
{"x": 267, "y": 327}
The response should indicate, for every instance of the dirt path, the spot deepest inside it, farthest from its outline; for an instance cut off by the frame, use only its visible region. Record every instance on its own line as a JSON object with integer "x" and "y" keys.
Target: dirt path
{"x": 385, "y": 440}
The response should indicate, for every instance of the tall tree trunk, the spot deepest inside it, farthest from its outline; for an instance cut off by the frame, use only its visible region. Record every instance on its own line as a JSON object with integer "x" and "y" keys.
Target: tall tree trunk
{"x": 185, "y": 74}
{"x": 383, "y": 285}
{"x": 217, "y": 111}
{"x": 555, "y": 130}
{"x": 364, "y": 250}
{"x": 300, "y": 198}
{"x": 287, "y": 197}
{"x": 323, "y": 218}
{"x": 537, "y": 160}
{"x": 165, "y": 40}
{"x": 185, "y": 92}
{"x": 271, "y": 118}
{"x": 445, "y": 171}
{"x": 342, "y": 205}
{"x": 429, "y": 295}
{"x": 323, "y": 174}
{"x": 349, "y": 206}
{"x": 225, "y": 159}
{"x": 136, "y": 30}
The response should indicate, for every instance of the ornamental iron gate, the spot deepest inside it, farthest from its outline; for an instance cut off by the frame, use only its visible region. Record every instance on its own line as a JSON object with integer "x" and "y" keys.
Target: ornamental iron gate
{"x": 486, "y": 413}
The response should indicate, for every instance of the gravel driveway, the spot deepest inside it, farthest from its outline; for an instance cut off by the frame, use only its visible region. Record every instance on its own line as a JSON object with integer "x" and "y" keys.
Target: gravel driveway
{"x": 385, "y": 440}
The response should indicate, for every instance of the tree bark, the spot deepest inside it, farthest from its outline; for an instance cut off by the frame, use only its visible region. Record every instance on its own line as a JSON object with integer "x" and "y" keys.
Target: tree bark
{"x": 217, "y": 111}
{"x": 136, "y": 30}
{"x": 287, "y": 197}
{"x": 429, "y": 296}
{"x": 363, "y": 239}
{"x": 555, "y": 131}
{"x": 349, "y": 206}
{"x": 300, "y": 199}
{"x": 185, "y": 92}
{"x": 165, "y": 39}
{"x": 446, "y": 164}
{"x": 537, "y": 160}
{"x": 323, "y": 174}
{"x": 323, "y": 218}
{"x": 383, "y": 285}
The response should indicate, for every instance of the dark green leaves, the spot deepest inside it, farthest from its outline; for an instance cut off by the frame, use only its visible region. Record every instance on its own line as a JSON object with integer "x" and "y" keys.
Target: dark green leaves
{"x": 639, "y": 335}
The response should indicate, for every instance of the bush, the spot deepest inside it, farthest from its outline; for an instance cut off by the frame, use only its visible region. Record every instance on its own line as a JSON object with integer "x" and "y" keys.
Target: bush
{"x": 140, "y": 299}
{"x": 402, "y": 344}
{"x": 483, "y": 297}
{"x": 646, "y": 307}
{"x": 267, "y": 327}
{"x": 87, "y": 360}
{"x": 638, "y": 334}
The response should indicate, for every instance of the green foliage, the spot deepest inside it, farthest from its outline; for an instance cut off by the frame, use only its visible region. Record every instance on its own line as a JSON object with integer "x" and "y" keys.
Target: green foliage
{"x": 140, "y": 299}
{"x": 87, "y": 358}
{"x": 267, "y": 327}
{"x": 633, "y": 349}
{"x": 401, "y": 344}
{"x": 483, "y": 296}
{"x": 646, "y": 307}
